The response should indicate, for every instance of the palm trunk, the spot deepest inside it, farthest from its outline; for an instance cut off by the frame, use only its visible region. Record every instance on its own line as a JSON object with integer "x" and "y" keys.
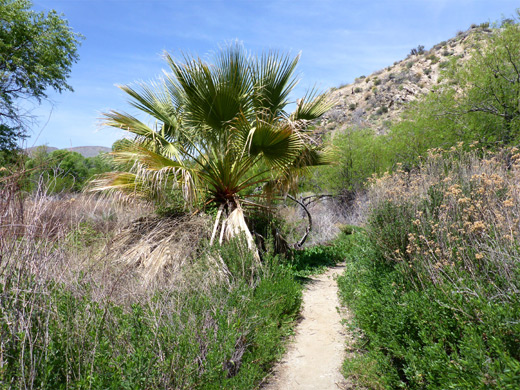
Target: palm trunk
{"x": 236, "y": 225}
{"x": 215, "y": 227}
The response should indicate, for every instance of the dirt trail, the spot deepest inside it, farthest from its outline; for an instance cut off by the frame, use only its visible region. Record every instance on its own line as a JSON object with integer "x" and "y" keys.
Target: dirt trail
{"x": 314, "y": 357}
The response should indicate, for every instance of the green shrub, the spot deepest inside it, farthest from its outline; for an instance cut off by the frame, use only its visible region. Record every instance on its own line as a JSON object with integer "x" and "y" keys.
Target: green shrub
{"x": 207, "y": 336}
{"x": 413, "y": 338}
{"x": 432, "y": 284}
{"x": 433, "y": 59}
{"x": 382, "y": 110}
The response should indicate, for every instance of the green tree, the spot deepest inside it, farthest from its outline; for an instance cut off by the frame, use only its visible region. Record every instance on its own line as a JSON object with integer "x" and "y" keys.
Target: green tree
{"x": 221, "y": 135}
{"x": 37, "y": 51}
{"x": 62, "y": 170}
{"x": 490, "y": 85}
{"x": 477, "y": 98}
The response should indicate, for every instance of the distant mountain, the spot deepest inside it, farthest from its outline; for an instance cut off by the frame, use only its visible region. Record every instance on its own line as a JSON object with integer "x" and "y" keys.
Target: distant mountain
{"x": 85, "y": 151}
{"x": 90, "y": 151}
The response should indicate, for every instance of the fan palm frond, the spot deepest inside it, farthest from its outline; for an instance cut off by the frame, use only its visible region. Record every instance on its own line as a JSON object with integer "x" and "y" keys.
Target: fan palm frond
{"x": 311, "y": 106}
{"x": 219, "y": 131}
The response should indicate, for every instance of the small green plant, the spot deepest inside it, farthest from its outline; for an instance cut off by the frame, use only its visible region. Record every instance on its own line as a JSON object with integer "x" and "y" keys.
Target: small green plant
{"x": 382, "y": 110}
{"x": 357, "y": 90}
{"x": 316, "y": 259}
{"x": 433, "y": 59}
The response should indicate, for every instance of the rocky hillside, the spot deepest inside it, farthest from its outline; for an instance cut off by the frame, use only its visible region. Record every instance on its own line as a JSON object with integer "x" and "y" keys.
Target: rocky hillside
{"x": 376, "y": 100}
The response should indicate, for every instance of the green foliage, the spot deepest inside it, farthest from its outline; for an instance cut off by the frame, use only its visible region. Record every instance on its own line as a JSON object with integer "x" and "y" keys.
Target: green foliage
{"x": 433, "y": 59}
{"x": 221, "y": 136}
{"x": 434, "y": 282}
{"x": 220, "y": 130}
{"x": 360, "y": 153}
{"x": 414, "y": 339}
{"x": 491, "y": 87}
{"x": 8, "y": 137}
{"x": 223, "y": 337}
{"x": 417, "y": 50}
{"x": 316, "y": 259}
{"x": 37, "y": 51}
{"x": 63, "y": 170}
{"x": 382, "y": 110}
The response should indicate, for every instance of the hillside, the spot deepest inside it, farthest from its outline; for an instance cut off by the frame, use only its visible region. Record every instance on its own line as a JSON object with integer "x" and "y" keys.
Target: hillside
{"x": 375, "y": 100}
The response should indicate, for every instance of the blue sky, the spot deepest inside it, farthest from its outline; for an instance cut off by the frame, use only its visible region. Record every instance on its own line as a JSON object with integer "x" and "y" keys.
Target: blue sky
{"x": 339, "y": 40}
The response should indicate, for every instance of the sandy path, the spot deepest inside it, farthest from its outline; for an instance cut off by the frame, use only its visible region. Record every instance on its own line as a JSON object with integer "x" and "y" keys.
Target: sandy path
{"x": 314, "y": 357}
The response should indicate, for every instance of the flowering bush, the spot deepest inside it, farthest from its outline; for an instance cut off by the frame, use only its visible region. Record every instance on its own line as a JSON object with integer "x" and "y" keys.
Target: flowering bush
{"x": 435, "y": 284}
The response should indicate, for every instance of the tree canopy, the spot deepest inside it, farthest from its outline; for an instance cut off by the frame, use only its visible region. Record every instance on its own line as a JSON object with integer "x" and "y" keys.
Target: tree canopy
{"x": 37, "y": 51}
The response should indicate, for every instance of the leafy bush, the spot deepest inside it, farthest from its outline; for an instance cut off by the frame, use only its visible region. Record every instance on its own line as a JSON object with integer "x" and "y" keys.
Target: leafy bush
{"x": 433, "y": 59}
{"x": 434, "y": 284}
{"x": 382, "y": 110}
{"x": 360, "y": 154}
{"x": 417, "y": 51}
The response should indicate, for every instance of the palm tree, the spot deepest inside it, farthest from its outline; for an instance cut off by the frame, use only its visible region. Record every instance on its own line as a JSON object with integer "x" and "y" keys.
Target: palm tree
{"x": 219, "y": 134}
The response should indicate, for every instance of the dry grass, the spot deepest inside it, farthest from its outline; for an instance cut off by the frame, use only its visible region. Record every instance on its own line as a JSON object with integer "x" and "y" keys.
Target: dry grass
{"x": 465, "y": 213}
{"x": 160, "y": 246}
{"x": 90, "y": 285}
{"x": 328, "y": 216}
{"x": 63, "y": 236}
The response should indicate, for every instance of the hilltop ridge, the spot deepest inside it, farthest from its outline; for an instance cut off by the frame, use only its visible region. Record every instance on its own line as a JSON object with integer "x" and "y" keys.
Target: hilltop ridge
{"x": 377, "y": 99}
